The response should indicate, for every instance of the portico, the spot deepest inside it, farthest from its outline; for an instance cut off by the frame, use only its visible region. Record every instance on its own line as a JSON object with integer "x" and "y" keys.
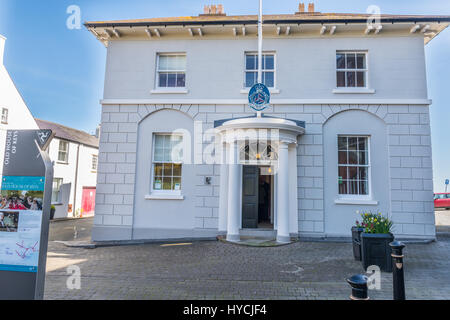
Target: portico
{"x": 266, "y": 142}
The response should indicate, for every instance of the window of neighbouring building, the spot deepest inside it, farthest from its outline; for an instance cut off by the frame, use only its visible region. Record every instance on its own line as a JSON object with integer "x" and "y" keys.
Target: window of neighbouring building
{"x": 94, "y": 162}
{"x": 63, "y": 153}
{"x": 167, "y": 162}
{"x": 5, "y": 116}
{"x": 57, "y": 182}
{"x": 268, "y": 69}
{"x": 171, "y": 71}
{"x": 354, "y": 165}
{"x": 351, "y": 69}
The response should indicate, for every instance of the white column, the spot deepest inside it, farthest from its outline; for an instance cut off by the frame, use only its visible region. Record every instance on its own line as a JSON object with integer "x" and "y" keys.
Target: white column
{"x": 223, "y": 204}
{"x": 283, "y": 193}
{"x": 233, "y": 194}
{"x": 293, "y": 190}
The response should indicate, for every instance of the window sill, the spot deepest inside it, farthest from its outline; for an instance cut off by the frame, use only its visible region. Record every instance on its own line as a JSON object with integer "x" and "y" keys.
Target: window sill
{"x": 57, "y": 204}
{"x": 353, "y": 90}
{"x": 170, "y": 91}
{"x": 271, "y": 90}
{"x": 157, "y": 196}
{"x": 62, "y": 162}
{"x": 356, "y": 202}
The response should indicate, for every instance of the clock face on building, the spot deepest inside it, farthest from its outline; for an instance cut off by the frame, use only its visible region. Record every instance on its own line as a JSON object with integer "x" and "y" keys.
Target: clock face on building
{"x": 259, "y": 97}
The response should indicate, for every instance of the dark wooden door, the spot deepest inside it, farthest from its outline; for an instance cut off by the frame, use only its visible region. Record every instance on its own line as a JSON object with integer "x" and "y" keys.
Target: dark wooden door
{"x": 250, "y": 197}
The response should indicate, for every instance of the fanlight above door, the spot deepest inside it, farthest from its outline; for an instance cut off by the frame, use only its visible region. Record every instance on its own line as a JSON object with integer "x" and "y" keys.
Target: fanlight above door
{"x": 258, "y": 152}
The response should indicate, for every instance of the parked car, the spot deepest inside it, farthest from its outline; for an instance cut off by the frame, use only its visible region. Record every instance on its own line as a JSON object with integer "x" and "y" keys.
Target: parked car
{"x": 442, "y": 200}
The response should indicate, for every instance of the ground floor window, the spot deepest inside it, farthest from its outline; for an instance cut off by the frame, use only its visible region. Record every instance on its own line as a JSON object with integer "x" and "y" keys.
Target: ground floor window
{"x": 57, "y": 183}
{"x": 167, "y": 162}
{"x": 354, "y": 167}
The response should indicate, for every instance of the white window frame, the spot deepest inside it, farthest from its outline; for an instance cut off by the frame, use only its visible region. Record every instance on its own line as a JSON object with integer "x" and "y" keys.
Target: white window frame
{"x": 367, "y": 196}
{"x": 94, "y": 168}
{"x": 356, "y": 89}
{"x": 66, "y": 151}
{"x": 274, "y": 88}
{"x": 58, "y": 200}
{"x": 5, "y": 121}
{"x": 164, "y": 194}
{"x": 157, "y": 88}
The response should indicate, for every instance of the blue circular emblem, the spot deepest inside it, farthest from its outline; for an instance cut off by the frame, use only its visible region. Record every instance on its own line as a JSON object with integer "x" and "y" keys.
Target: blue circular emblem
{"x": 259, "y": 97}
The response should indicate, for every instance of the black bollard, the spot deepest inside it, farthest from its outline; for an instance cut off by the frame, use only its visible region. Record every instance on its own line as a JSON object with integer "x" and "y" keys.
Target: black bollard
{"x": 359, "y": 287}
{"x": 397, "y": 266}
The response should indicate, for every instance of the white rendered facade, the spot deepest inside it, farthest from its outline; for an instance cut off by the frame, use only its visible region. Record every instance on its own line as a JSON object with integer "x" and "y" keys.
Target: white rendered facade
{"x": 18, "y": 116}
{"x": 391, "y": 112}
{"x": 76, "y": 171}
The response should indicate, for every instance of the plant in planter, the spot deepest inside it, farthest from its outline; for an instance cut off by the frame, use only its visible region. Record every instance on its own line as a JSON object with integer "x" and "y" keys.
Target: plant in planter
{"x": 375, "y": 241}
{"x": 52, "y": 212}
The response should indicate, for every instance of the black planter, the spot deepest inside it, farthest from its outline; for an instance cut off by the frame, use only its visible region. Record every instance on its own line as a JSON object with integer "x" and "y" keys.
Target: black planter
{"x": 376, "y": 250}
{"x": 356, "y": 240}
{"x": 52, "y": 213}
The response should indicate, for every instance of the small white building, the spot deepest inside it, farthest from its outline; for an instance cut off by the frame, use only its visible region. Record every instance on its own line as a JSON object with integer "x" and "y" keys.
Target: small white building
{"x": 13, "y": 110}
{"x": 75, "y": 156}
{"x": 349, "y": 126}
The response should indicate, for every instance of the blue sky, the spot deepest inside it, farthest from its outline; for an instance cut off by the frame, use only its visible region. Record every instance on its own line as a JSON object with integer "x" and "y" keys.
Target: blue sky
{"x": 60, "y": 72}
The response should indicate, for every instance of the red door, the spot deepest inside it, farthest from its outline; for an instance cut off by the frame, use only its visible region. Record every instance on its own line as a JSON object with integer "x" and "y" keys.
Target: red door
{"x": 88, "y": 201}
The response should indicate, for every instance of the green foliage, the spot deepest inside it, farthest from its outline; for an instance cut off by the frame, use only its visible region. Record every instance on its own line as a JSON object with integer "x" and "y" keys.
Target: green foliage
{"x": 375, "y": 223}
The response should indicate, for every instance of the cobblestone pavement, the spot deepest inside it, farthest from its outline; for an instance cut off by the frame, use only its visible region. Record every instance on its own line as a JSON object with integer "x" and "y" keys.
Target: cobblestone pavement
{"x": 215, "y": 270}
{"x": 71, "y": 229}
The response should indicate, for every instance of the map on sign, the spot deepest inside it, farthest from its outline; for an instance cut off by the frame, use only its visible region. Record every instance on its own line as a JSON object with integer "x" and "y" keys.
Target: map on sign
{"x": 259, "y": 97}
{"x": 19, "y": 239}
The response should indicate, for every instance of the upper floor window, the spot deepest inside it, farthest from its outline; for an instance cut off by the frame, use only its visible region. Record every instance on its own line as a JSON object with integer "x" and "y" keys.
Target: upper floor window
{"x": 63, "y": 153}
{"x": 171, "y": 71}
{"x": 351, "y": 68}
{"x": 353, "y": 163}
{"x": 167, "y": 162}
{"x": 268, "y": 69}
{"x": 94, "y": 162}
{"x": 5, "y": 116}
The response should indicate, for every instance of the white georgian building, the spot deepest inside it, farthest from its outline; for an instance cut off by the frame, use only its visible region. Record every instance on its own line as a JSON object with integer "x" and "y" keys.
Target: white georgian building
{"x": 349, "y": 113}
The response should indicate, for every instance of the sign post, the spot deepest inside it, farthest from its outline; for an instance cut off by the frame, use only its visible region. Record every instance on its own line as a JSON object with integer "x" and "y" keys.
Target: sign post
{"x": 25, "y": 214}
{"x": 447, "y": 182}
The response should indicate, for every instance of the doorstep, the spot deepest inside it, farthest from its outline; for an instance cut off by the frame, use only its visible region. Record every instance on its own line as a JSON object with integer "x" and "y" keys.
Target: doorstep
{"x": 256, "y": 241}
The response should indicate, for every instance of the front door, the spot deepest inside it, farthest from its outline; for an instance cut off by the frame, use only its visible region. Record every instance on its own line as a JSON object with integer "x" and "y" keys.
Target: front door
{"x": 88, "y": 201}
{"x": 250, "y": 197}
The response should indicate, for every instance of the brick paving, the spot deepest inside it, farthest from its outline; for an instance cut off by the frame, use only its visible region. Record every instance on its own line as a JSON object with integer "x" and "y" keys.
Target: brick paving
{"x": 215, "y": 270}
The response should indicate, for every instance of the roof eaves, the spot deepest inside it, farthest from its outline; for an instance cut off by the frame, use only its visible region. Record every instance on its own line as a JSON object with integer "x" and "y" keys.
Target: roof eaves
{"x": 358, "y": 20}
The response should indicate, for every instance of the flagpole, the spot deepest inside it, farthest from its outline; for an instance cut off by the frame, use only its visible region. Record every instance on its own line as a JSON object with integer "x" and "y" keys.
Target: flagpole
{"x": 260, "y": 42}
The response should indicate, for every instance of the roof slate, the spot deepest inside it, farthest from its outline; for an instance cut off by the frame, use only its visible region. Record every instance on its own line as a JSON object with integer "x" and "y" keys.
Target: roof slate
{"x": 70, "y": 134}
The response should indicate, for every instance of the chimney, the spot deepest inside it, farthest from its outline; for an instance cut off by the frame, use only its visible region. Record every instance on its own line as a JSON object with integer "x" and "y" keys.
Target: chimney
{"x": 311, "y": 8}
{"x": 2, "y": 48}
{"x": 220, "y": 9}
{"x": 97, "y": 131}
{"x": 301, "y": 8}
{"x": 213, "y": 10}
